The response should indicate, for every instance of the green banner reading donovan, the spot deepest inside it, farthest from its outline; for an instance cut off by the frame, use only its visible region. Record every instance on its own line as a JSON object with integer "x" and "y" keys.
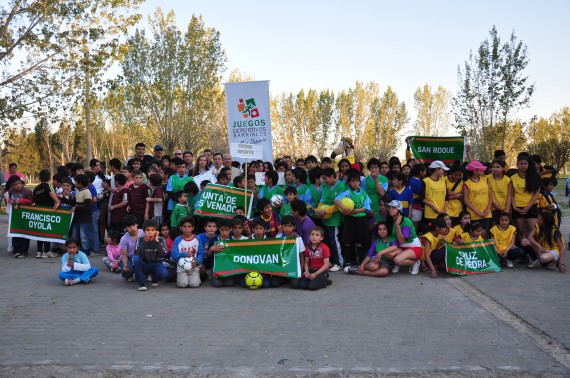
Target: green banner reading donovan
{"x": 278, "y": 257}
{"x": 446, "y": 149}
{"x": 472, "y": 258}
{"x": 40, "y": 223}
{"x": 219, "y": 201}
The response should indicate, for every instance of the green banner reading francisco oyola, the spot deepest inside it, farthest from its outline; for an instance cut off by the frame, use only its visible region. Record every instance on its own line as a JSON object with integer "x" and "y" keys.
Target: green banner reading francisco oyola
{"x": 40, "y": 223}
{"x": 219, "y": 201}
{"x": 472, "y": 258}
{"x": 447, "y": 149}
{"x": 278, "y": 257}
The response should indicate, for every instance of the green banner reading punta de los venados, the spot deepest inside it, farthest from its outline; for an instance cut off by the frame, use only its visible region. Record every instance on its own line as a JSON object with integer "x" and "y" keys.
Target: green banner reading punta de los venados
{"x": 427, "y": 149}
{"x": 278, "y": 257}
{"x": 219, "y": 201}
{"x": 40, "y": 223}
{"x": 472, "y": 258}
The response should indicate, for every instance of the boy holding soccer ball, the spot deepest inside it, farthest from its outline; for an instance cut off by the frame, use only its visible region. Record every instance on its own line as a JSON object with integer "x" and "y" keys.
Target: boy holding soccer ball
{"x": 356, "y": 219}
{"x": 187, "y": 245}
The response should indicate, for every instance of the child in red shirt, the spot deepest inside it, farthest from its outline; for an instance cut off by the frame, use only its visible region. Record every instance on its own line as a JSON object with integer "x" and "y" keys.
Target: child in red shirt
{"x": 316, "y": 266}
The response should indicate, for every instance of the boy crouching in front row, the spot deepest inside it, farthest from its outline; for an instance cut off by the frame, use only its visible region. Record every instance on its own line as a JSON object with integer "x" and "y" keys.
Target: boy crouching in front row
{"x": 187, "y": 245}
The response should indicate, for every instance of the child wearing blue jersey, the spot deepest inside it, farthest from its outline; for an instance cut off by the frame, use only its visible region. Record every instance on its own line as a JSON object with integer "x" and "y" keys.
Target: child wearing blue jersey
{"x": 401, "y": 192}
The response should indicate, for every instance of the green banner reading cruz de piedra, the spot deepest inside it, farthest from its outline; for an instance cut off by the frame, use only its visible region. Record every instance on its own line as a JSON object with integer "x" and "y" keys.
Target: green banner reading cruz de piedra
{"x": 278, "y": 257}
{"x": 219, "y": 201}
{"x": 40, "y": 223}
{"x": 472, "y": 258}
{"x": 447, "y": 149}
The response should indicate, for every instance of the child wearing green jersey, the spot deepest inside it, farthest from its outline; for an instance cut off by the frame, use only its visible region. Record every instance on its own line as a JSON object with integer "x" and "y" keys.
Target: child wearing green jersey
{"x": 375, "y": 185}
{"x": 332, "y": 188}
{"x": 356, "y": 220}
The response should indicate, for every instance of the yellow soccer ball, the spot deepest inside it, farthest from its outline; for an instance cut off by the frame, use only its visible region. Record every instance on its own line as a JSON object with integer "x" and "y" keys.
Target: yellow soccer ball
{"x": 253, "y": 280}
{"x": 348, "y": 203}
{"x": 325, "y": 208}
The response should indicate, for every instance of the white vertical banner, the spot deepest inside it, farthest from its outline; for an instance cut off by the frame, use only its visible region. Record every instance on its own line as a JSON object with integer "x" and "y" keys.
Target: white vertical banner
{"x": 248, "y": 113}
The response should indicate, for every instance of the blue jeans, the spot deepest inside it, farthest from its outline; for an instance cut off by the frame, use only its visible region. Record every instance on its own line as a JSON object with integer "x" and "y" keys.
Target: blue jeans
{"x": 95, "y": 236}
{"x": 156, "y": 270}
{"x": 83, "y": 276}
{"x": 84, "y": 233}
{"x": 131, "y": 266}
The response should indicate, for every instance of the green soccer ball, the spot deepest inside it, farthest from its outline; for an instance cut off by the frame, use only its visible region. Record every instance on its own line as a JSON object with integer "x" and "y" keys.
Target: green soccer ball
{"x": 253, "y": 280}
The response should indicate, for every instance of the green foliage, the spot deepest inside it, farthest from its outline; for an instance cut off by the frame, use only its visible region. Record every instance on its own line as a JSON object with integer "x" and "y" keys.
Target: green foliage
{"x": 492, "y": 87}
{"x": 172, "y": 82}
{"x": 58, "y": 39}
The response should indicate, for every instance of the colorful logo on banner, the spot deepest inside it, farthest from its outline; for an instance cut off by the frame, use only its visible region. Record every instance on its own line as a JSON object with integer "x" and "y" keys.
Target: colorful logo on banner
{"x": 472, "y": 258}
{"x": 248, "y": 109}
{"x": 278, "y": 257}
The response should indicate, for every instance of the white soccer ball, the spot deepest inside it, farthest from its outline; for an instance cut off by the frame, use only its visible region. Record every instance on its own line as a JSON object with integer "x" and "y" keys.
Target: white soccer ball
{"x": 186, "y": 262}
{"x": 277, "y": 200}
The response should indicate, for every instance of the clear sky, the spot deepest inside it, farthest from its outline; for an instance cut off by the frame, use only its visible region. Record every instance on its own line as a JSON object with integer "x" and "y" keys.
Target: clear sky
{"x": 404, "y": 44}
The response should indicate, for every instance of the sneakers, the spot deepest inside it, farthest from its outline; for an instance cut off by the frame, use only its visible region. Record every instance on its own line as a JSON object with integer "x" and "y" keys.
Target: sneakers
{"x": 44, "y": 255}
{"x": 142, "y": 288}
{"x": 94, "y": 253}
{"x": 534, "y": 264}
{"x": 415, "y": 269}
{"x": 334, "y": 268}
{"x": 21, "y": 255}
{"x": 69, "y": 281}
{"x": 510, "y": 264}
{"x": 352, "y": 269}
{"x": 52, "y": 255}
{"x": 551, "y": 265}
{"x": 131, "y": 279}
{"x": 154, "y": 284}
{"x": 38, "y": 255}
{"x": 395, "y": 269}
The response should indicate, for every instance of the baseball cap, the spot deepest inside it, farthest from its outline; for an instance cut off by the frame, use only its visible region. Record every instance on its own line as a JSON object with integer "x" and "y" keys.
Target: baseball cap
{"x": 438, "y": 164}
{"x": 158, "y": 147}
{"x": 474, "y": 165}
{"x": 395, "y": 204}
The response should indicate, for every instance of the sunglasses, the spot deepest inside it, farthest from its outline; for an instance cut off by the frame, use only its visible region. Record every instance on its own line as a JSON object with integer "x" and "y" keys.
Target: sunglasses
{"x": 178, "y": 154}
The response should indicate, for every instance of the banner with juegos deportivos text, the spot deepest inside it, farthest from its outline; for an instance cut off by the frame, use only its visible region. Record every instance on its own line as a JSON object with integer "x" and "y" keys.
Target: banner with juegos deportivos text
{"x": 472, "y": 258}
{"x": 427, "y": 149}
{"x": 220, "y": 201}
{"x": 39, "y": 223}
{"x": 249, "y": 117}
{"x": 278, "y": 257}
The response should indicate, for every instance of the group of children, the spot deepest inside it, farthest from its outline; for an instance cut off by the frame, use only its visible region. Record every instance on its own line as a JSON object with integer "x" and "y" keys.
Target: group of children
{"x": 394, "y": 216}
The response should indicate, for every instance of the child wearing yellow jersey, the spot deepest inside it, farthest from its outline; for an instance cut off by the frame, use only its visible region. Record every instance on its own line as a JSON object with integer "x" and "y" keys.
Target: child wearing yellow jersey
{"x": 450, "y": 235}
{"x": 433, "y": 246}
{"x": 434, "y": 192}
{"x": 474, "y": 234}
{"x": 546, "y": 240}
{"x": 526, "y": 186}
{"x": 504, "y": 235}
{"x": 477, "y": 194}
{"x": 502, "y": 190}
{"x": 454, "y": 184}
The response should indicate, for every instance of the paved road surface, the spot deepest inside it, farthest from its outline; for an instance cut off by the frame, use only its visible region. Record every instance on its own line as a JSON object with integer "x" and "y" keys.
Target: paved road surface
{"x": 515, "y": 323}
